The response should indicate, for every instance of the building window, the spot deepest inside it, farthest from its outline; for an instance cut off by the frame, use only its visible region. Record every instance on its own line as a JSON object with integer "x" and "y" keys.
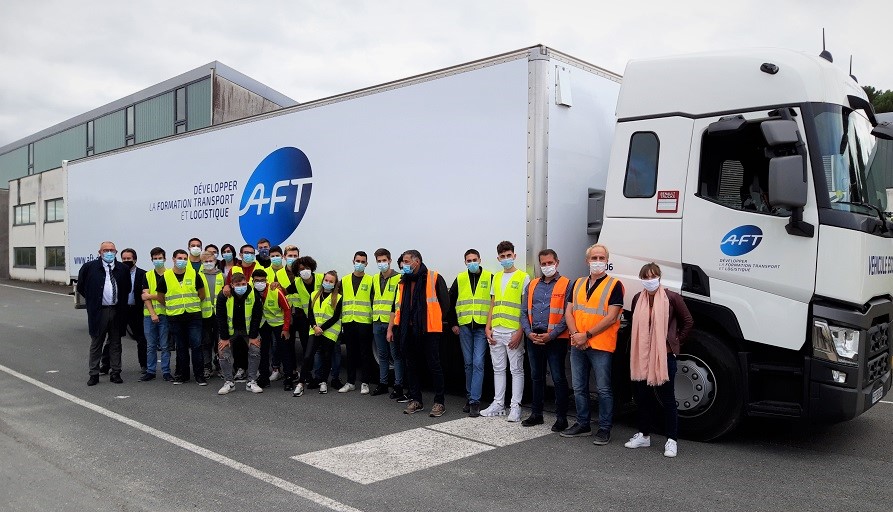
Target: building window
{"x": 130, "y": 127}
{"x": 31, "y": 159}
{"x": 180, "y": 111}
{"x": 24, "y": 214}
{"x": 55, "y": 258}
{"x": 25, "y": 257}
{"x": 641, "y": 166}
{"x": 89, "y": 138}
{"x": 55, "y": 210}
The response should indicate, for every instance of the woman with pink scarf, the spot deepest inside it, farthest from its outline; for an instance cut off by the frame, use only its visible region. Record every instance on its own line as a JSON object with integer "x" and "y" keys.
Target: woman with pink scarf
{"x": 660, "y": 323}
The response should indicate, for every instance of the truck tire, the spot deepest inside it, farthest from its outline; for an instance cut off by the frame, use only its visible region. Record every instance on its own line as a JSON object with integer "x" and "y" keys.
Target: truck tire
{"x": 709, "y": 388}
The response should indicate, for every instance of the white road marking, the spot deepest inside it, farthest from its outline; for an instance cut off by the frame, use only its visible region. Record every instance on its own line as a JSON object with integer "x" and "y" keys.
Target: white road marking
{"x": 33, "y": 290}
{"x": 123, "y": 396}
{"x": 186, "y": 445}
{"x": 52, "y": 371}
{"x": 393, "y": 455}
{"x": 885, "y": 401}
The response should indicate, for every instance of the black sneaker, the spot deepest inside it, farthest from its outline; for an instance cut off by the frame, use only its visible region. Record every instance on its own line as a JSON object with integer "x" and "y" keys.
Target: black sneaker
{"x": 288, "y": 384}
{"x": 180, "y": 380}
{"x": 93, "y": 380}
{"x": 602, "y": 437}
{"x": 115, "y": 378}
{"x": 263, "y": 382}
{"x": 201, "y": 381}
{"x": 560, "y": 425}
{"x": 336, "y": 384}
{"x": 577, "y": 431}
{"x": 533, "y": 419}
{"x": 402, "y": 398}
{"x": 147, "y": 377}
{"x": 313, "y": 384}
{"x": 380, "y": 389}
{"x": 474, "y": 410}
{"x": 167, "y": 377}
{"x": 467, "y": 407}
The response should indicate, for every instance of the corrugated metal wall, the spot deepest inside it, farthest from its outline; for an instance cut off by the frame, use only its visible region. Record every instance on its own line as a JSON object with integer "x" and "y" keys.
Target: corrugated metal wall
{"x": 155, "y": 118}
{"x": 108, "y": 132}
{"x": 13, "y": 165}
{"x": 198, "y": 105}
{"x": 67, "y": 145}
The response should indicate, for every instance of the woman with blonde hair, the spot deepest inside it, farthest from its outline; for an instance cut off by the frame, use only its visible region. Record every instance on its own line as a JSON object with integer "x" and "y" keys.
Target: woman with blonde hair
{"x": 661, "y": 322}
{"x": 324, "y": 318}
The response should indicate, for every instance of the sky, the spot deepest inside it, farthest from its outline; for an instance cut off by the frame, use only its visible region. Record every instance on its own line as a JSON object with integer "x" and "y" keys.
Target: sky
{"x": 62, "y": 58}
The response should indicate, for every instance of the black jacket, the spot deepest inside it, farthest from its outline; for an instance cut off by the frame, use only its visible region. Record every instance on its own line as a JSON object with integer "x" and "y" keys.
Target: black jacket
{"x": 91, "y": 281}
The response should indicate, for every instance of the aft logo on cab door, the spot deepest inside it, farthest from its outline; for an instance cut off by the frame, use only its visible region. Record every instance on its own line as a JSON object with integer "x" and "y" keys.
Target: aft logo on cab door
{"x": 741, "y": 240}
{"x": 276, "y": 197}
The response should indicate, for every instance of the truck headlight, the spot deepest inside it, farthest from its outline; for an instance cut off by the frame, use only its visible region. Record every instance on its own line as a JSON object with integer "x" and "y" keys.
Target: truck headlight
{"x": 833, "y": 343}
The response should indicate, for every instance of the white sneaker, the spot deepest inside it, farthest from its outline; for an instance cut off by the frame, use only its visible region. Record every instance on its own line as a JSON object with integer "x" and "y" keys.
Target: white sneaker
{"x": 275, "y": 376}
{"x": 639, "y": 440}
{"x": 347, "y": 388}
{"x": 323, "y": 388}
{"x": 240, "y": 375}
{"x": 364, "y": 389}
{"x": 227, "y": 387}
{"x": 514, "y": 414}
{"x": 670, "y": 448}
{"x": 253, "y": 387}
{"x": 299, "y": 390}
{"x": 495, "y": 409}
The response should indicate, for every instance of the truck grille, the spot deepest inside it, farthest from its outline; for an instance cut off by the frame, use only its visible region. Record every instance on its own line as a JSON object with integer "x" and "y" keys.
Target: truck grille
{"x": 878, "y": 339}
{"x": 877, "y": 367}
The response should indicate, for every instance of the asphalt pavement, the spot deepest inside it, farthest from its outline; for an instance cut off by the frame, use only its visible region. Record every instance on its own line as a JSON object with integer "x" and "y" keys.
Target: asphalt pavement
{"x": 155, "y": 446}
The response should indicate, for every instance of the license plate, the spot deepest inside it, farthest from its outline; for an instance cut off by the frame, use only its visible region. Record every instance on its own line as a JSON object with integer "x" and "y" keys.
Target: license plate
{"x": 876, "y": 395}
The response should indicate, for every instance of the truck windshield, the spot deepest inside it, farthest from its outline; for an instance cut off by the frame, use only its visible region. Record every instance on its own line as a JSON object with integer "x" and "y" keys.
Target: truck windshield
{"x": 853, "y": 176}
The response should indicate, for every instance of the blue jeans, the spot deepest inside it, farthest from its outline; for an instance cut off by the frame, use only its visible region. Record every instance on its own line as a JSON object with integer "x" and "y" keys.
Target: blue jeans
{"x": 555, "y": 353}
{"x": 386, "y": 351}
{"x": 188, "y": 336}
{"x": 474, "y": 348}
{"x": 600, "y": 362}
{"x": 156, "y": 339}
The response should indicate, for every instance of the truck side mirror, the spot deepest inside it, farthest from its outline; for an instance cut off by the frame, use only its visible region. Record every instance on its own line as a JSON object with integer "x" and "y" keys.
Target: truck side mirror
{"x": 883, "y": 131}
{"x": 779, "y": 132}
{"x": 787, "y": 186}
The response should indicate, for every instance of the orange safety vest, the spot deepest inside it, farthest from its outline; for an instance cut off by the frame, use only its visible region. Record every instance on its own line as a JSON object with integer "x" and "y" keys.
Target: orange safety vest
{"x": 556, "y": 303}
{"x": 435, "y": 315}
{"x": 589, "y": 312}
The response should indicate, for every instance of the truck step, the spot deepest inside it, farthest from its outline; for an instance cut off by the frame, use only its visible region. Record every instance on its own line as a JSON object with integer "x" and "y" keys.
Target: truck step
{"x": 769, "y": 408}
{"x": 776, "y": 368}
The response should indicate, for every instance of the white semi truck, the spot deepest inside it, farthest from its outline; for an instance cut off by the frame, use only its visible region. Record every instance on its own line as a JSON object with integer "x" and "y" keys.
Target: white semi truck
{"x": 747, "y": 176}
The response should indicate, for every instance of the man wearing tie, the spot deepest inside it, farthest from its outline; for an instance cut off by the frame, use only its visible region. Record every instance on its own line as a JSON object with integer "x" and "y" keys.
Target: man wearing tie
{"x": 105, "y": 284}
{"x": 133, "y": 320}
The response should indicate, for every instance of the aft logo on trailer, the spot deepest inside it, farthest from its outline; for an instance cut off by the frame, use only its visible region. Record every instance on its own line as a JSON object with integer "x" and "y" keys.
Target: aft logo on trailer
{"x": 276, "y": 196}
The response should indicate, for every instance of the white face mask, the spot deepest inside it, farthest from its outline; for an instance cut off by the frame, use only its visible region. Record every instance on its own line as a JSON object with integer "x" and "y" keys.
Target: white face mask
{"x": 651, "y": 284}
{"x": 260, "y": 286}
{"x": 195, "y": 251}
{"x": 305, "y": 274}
{"x": 597, "y": 267}
{"x": 548, "y": 271}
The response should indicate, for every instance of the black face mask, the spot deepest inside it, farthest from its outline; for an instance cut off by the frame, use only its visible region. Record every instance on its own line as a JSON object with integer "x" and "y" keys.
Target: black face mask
{"x": 130, "y": 264}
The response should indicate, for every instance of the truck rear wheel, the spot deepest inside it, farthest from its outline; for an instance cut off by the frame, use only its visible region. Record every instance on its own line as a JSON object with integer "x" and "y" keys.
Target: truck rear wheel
{"x": 709, "y": 388}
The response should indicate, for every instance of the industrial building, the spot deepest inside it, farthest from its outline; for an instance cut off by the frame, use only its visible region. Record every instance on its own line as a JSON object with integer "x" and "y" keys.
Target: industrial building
{"x": 35, "y": 233}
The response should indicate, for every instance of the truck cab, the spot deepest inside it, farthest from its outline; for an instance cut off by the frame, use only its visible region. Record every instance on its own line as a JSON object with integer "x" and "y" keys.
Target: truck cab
{"x": 750, "y": 178}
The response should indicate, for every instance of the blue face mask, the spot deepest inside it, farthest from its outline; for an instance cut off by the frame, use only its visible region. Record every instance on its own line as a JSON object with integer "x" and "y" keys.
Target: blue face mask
{"x": 108, "y": 256}
{"x": 507, "y": 263}
{"x": 289, "y": 261}
{"x": 407, "y": 269}
{"x": 263, "y": 253}
{"x": 240, "y": 290}
{"x": 248, "y": 258}
{"x": 227, "y": 256}
{"x": 474, "y": 267}
{"x": 327, "y": 286}
{"x": 276, "y": 260}
{"x": 384, "y": 266}
{"x": 359, "y": 267}
{"x": 181, "y": 264}
{"x": 158, "y": 263}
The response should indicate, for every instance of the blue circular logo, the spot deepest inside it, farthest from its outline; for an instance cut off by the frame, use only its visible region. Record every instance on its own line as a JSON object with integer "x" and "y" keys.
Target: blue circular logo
{"x": 276, "y": 196}
{"x": 741, "y": 240}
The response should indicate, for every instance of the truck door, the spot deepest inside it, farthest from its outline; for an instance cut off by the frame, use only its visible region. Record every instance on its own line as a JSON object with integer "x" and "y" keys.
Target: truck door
{"x": 736, "y": 242}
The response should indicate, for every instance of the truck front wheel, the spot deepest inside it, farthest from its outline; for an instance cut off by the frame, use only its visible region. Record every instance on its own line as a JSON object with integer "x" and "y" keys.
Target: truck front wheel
{"x": 709, "y": 388}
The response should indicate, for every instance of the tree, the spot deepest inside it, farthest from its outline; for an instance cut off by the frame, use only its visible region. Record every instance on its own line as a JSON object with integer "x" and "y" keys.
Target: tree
{"x": 881, "y": 100}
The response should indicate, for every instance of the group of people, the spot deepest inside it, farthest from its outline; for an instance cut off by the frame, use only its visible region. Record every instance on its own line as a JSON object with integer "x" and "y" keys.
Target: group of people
{"x": 241, "y": 314}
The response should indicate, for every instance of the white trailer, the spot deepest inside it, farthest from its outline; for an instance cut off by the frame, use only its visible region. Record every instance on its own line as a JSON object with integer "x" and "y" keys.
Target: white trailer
{"x": 503, "y": 148}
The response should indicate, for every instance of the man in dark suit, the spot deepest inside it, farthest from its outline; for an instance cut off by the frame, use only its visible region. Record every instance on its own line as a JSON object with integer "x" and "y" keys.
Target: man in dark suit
{"x": 133, "y": 321}
{"x": 105, "y": 284}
